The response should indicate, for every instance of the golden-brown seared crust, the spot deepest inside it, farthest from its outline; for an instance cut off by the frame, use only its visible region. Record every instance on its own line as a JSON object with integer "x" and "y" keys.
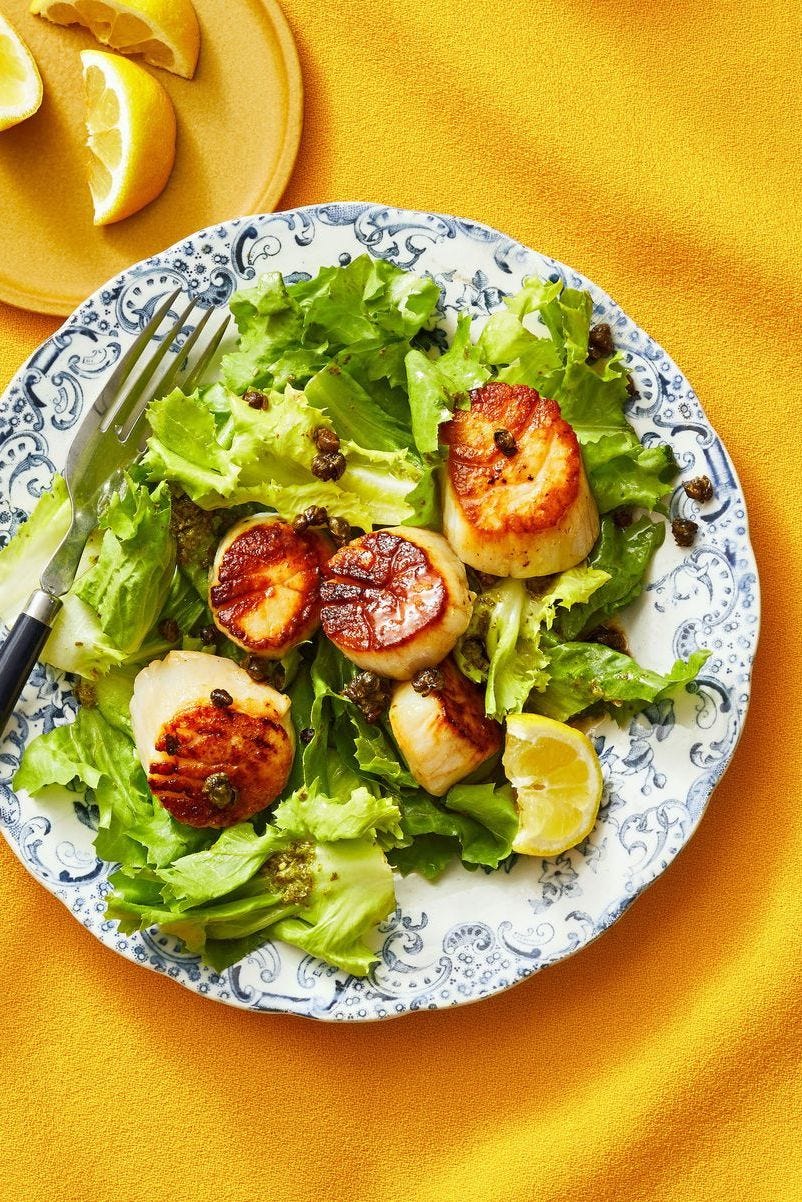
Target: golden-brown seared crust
{"x": 463, "y": 710}
{"x": 379, "y": 592}
{"x": 268, "y": 561}
{"x": 254, "y": 752}
{"x": 527, "y": 492}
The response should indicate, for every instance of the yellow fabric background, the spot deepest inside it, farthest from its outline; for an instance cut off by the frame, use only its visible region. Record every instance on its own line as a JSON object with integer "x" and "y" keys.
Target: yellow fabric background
{"x": 655, "y": 146}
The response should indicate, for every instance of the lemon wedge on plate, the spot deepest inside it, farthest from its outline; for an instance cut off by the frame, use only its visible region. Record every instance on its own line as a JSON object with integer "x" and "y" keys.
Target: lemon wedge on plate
{"x": 558, "y": 782}
{"x": 20, "y": 81}
{"x": 164, "y": 32}
{"x": 130, "y": 123}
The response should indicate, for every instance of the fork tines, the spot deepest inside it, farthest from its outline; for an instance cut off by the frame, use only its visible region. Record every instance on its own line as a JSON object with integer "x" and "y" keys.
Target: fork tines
{"x": 133, "y": 383}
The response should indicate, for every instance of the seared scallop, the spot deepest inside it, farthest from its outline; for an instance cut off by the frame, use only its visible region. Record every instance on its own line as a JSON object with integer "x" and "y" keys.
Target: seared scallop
{"x": 444, "y": 734}
{"x": 216, "y": 746}
{"x": 516, "y": 500}
{"x": 395, "y": 600}
{"x": 264, "y": 592}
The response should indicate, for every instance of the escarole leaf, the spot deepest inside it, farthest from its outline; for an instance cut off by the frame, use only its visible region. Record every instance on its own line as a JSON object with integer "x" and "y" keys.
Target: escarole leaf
{"x": 582, "y": 675}
{"x": 623, "y": 556}
{"x": 310, "y": 813}
{"x": 128, "y": 583}
{"x": 436, "y": 385}
{"x": 622, "y": 472}
{"x": 348, "y": 329}
{"x": 227, "y": 453}
{"x": 353, "y": 891}
{"x": 501, "y": 647}
{"x": 315, "y": 878}
{"x": 477, "y": 823}
{"x": 121, "y": 583}
{"x": 27, "y": 553}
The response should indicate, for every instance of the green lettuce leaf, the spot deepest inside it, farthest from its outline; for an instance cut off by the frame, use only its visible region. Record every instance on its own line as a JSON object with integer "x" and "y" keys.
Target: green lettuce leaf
{"x": 582, "y": 675}
{"x": 310, "y": 814}
{"x": 28, "y": 552}
{"x": 233, "y": 858}
{"x": 428, "y": 855}
{"x": 323, "y": 897}
{"x": 224, "y": 453}
{"x": 353, "y": 892}
{"x": 436, "y": 385}
{"x": 501, "y": 646}
{"x": 239, "y": 852}
{"x": 128, "y": 583}
{"x": 624, "y": 556}
{"x": 327, "y": 908}
{"x": 376, "y": 753}
{"x": 353, "y": 412}
{"x": 121, "y": 582}
{"x": 361, "y": 316}
{"x": 78, "y": 643}
{"x": 622, "y": 472}
{"x": 478, "y": 822}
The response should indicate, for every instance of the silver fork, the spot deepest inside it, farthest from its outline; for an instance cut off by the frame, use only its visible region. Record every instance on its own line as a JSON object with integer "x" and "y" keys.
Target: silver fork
{"x": 109, "y": 438}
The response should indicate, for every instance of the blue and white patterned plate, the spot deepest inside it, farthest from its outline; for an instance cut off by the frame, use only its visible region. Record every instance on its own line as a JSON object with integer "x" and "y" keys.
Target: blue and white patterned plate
{"x": 470, "y": 934}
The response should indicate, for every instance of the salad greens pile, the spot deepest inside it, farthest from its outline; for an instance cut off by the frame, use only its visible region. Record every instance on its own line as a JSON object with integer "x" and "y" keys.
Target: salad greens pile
{"x": 353, "y": 348}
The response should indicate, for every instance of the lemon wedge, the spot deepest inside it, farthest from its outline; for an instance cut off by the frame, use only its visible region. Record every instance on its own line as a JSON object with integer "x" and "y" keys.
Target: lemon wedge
{"x": 164, "y": 32}
{"x": 20, "y": 81}
{"x": 558, "y": 781}
{"x": 130, "y": 124}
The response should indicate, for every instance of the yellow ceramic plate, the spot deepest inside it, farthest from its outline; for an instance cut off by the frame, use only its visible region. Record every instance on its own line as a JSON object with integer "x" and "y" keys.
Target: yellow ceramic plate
{"x": 239, "y": 124}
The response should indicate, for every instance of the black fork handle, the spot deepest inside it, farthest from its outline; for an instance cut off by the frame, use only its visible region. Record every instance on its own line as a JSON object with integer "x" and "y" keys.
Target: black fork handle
{"x": 22, "y": 648}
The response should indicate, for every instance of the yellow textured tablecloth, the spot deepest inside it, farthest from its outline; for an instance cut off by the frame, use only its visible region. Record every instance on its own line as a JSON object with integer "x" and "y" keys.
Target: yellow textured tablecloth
{"x": 655, "y": 147}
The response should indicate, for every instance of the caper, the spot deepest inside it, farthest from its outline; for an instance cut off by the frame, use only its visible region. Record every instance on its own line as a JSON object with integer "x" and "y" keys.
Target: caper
{"x": 325, "y": 440}
{"x": 684, "y": 532}
{"x": 428, "y": 680}
{"x": 505, "y": 441}
{"x": 600, "y": 342}
{"x": 699, "y": 489}
{"x": 328, "y": 465}
{"x": 219, "y": 790}
{"x": 256, "y": 399}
